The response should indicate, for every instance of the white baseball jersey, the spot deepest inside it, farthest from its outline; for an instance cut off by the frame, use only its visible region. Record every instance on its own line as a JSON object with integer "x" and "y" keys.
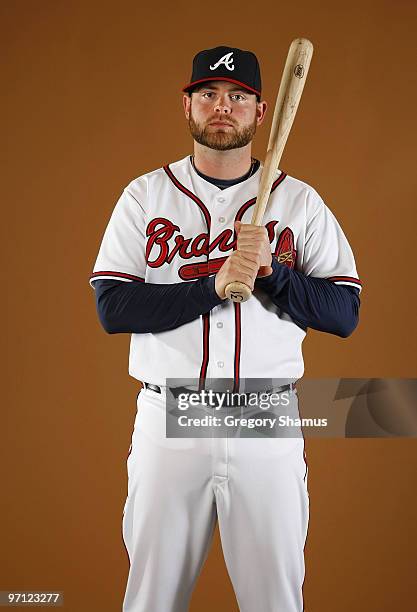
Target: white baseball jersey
{"x": 171, "y": 225}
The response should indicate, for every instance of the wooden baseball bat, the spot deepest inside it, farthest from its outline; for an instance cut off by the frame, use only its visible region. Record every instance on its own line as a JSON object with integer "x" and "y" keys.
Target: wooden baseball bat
{"x": 289, "y": 95}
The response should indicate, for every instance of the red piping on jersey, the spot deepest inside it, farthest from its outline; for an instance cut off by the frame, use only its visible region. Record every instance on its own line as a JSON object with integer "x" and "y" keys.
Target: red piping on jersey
{"x": 191, "y": 195}
{"x": 118, "y": 274}
{"x": 206, "y": 334}
{"x": 349, "y": 279}
{"x": 252, "y": 201}
{"x": 244, "y": 208}
{"x": 206, "y": 316}
{"x": 238, "y": 337}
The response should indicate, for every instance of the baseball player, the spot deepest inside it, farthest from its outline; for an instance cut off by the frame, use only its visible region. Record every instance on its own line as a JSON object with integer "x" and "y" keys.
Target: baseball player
{"x": 177, "y": 236}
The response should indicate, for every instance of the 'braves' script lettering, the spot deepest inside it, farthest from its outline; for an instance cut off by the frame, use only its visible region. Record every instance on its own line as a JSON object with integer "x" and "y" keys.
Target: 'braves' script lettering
{"x": 161, "y": 231}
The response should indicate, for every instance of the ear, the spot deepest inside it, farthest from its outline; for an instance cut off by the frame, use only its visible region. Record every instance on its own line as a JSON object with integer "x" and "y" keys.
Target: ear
{"x": 261, "y": 108}
{"x": 186, "y": 102}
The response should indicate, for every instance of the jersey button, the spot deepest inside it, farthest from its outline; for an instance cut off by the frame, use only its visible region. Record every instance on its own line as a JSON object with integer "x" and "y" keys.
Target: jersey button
{"x": 222, "y": 219}
{"x": 220, "y": 364}
{"x": 221, "y": 200}
{"x": 219, "y": 324}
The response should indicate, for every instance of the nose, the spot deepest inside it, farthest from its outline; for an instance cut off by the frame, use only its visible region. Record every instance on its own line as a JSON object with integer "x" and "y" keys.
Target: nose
{"x": 222, "y": 105}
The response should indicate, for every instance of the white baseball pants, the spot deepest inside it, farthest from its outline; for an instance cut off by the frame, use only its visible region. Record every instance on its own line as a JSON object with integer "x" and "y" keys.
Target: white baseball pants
{"x": 178, "y": 488}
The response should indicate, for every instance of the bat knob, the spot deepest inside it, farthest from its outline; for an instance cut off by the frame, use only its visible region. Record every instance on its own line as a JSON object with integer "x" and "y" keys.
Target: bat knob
{"x": 237, "y": 292}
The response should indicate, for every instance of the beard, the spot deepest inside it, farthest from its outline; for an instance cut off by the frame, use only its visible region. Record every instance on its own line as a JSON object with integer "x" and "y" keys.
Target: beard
{"x": 222, "y": 139}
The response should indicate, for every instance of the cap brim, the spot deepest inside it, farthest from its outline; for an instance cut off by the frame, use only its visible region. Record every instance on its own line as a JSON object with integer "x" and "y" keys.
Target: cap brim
{"x": 217, "y": 78}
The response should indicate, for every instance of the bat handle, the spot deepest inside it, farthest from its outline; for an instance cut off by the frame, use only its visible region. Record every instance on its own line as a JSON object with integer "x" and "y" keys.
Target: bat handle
{"x": 237, "y": 292}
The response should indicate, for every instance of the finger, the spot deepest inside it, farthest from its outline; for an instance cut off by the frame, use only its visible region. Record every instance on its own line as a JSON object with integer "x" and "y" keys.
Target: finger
{"x": 244, "y": 265}
{"x": 263, "y": 251}
{"x": 252, "y": 230}
{"x": 251, "y": 247}
{"x": 264, "y": 271}
{"x": 238, "y": 227}
{"x": 249, "y": 257}
{"x": 252, "y": 238}
{"x": 247, "y": 279}
{"x": 247, "y": 244}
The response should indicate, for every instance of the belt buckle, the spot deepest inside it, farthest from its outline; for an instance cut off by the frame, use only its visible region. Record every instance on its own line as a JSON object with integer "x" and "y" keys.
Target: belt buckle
{"x": 153, "y": 388}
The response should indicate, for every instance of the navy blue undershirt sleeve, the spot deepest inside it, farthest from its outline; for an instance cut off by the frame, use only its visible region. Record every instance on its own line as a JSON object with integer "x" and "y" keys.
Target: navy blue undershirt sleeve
{"x": 312, "y": 302}
{"x": 136, "y": 307}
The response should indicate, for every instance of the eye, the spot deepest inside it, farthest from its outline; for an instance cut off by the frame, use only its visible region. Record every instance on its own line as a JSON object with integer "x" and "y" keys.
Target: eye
{"x": 238, "y": 96}
{"x": 207, "y": 93}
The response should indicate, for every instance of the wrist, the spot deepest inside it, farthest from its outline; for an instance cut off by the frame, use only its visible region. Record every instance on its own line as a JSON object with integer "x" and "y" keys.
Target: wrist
{"x": 220, "y": 293}
{"x": 273, "y": 274}
{"x": 214, "y": 290}
{"x": 265, "y": 274}
{"x": 265, "y": 270}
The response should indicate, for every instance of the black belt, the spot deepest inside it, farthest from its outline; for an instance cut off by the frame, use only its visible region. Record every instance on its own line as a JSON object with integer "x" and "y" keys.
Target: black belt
{"x": 177, "y": 390}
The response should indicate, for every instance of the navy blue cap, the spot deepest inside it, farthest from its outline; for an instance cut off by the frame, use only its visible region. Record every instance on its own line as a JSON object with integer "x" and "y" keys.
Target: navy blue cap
{"x": 226, "y": 64}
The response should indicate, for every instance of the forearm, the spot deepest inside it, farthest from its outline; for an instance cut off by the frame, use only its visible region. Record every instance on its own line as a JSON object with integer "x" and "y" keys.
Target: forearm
{"x": 313, "y": 302}
{"x": 136, "y": 307}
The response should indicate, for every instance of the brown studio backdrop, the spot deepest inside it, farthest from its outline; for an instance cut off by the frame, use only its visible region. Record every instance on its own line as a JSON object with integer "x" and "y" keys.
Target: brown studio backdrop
{"x": 91, "y": 99}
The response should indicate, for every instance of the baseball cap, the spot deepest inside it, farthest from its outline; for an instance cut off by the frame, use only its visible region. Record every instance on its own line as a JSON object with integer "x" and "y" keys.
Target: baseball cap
{"x": 226, "y": 64}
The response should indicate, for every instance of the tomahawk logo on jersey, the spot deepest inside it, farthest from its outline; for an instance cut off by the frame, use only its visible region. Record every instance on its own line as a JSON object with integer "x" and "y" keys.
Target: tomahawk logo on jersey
{"x": 170, "y": 226}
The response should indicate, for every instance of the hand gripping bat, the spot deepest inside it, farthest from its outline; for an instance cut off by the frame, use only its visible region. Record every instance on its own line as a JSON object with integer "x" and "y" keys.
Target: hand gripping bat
{"x": 288, "y": 98}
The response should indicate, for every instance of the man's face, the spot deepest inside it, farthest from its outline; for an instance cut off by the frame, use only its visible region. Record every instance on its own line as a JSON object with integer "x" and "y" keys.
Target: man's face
{"x": 221, "y": 116}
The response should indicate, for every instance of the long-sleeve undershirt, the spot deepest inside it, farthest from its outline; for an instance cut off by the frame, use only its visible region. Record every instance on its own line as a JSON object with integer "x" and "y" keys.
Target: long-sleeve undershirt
{"x": 139, "y": 307}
